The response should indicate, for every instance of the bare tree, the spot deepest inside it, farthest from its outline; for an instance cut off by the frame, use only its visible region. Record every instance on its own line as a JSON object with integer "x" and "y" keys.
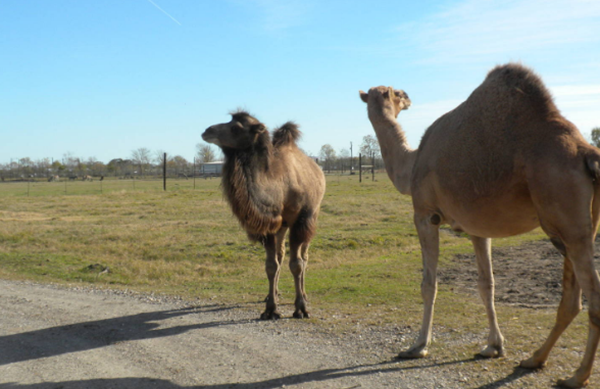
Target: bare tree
{"x": 141, "y": 157}
{"x": 370, "y": 147}
{"x": 159, "y": 157}
{"x": 344, "y": 159}
{"x": 327, "y": 156}
{"x": 205, "y": 153}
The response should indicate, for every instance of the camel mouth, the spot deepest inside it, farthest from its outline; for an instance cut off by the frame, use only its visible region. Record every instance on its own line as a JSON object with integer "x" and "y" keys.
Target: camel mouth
{"x": 209, "y": 137}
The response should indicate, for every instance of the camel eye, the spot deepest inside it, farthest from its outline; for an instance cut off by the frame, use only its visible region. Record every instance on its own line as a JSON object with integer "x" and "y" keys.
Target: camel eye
{"x": 237, "y": 128}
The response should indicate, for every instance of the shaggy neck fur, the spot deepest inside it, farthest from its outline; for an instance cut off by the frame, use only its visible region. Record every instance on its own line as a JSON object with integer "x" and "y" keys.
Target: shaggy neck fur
{"x": 399, "y": 158}
{"x": 257, "y": 210}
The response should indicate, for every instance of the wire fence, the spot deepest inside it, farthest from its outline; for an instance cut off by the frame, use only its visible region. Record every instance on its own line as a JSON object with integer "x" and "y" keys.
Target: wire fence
{"x": 105, "y": 186}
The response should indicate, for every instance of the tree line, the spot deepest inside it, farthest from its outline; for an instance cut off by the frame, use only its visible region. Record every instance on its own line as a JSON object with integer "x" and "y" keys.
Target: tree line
{"x": 348, "y": 159}
{"x": 144, "y": 162}
{"x": 141, "y": 163}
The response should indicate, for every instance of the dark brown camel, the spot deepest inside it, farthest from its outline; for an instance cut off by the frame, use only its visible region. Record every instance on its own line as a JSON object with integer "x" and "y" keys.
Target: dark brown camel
{"x": 502, "y": 163}
{"x": 271, "y": 186}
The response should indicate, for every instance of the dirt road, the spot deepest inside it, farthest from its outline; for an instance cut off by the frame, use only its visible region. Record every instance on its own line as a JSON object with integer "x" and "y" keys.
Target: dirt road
{"x": 57, "y": 337}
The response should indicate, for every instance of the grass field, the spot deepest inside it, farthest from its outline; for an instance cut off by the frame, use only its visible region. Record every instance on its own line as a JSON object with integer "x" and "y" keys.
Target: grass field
{"x": 365, "y": 264}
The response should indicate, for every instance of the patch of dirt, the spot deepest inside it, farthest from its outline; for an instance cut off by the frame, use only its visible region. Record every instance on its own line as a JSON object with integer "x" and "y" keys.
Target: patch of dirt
{"x": 529, "y": 275}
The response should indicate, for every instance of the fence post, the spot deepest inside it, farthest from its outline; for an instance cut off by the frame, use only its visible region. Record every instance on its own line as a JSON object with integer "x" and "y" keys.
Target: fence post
{"x": 373, "y": 169}
{"x": 165, "y": 172}
{"x": 194, "y": 173}
{"x": 359, "y": 167}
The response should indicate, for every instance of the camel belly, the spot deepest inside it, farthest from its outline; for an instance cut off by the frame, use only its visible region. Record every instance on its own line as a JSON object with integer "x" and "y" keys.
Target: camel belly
{"x": 493, "y": 221}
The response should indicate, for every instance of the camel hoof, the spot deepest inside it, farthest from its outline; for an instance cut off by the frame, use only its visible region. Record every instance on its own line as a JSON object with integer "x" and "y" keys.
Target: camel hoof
{"x": 298, "y": 314}
{"x": 270, "y": 315}
{"x": 572, "y": 383}
{"x": 492, "y": 352}
{"x": 531, "y": 364}
{"x": 412, "y": 354}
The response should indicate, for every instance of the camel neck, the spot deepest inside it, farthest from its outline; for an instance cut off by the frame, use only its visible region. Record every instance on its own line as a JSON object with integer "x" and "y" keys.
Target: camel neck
{"x": 397, "y": 154}
{"x": 245, "y": 177}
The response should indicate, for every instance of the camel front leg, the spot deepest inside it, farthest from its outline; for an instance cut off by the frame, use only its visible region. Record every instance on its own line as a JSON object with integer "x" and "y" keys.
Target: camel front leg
{"x": 280, "y": 254}
{"x": 429, "y": 239}
{"x": 569, "y": 307}
{"x": 298, "y": 268}
{"x": 485, "y": 284}
{"x": 272, "y": 268}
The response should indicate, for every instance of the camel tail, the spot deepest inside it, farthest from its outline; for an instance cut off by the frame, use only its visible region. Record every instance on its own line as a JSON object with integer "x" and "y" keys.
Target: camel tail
{"x": 287, "y": 134}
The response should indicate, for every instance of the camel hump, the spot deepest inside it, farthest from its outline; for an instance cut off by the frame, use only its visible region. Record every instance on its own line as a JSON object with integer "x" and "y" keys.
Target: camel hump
{"x": 521, "y": 79}
{"x": 287, "y": 134}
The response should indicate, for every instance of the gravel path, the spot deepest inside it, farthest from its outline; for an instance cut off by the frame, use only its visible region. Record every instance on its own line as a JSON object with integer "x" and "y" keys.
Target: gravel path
{"x": 58, "y": 337}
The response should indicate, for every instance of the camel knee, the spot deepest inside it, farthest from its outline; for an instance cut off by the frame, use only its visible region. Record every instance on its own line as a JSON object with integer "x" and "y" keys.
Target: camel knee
{"x": 571, "y": 310}
{"x": 297, "y": 266}
{"x": 271, "y": 267}
{"x": 594, "y": 309}
{"x": 428, "y": 286}
{"x": 485, "y": 284}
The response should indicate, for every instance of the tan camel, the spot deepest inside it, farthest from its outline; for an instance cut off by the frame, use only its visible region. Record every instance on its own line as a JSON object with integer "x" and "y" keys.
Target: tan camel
{"x": 271, "y": 186}
{"x": 502, "y": 163}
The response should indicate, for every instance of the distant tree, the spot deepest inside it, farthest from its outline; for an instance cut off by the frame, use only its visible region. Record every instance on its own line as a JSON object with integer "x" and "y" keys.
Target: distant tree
{"x": 370, "y": 147}
{"x": 205, "y": 153}
{"x": 141, "y": 157}
{"x": 26, "y": 167}
{"x": 596, "y": 136}
{"x": 95, "y": 167}
{"x": 327, "y": 156}
{"x": 57, "y": 167}
{"x": 43, "y": 167}
{"x": 344, "y": 159}
{"x": 70, "y": 161}
{"x": 120, "y": 166}
{"x": 159, "y": 157}
{"x": 180, "y": 164}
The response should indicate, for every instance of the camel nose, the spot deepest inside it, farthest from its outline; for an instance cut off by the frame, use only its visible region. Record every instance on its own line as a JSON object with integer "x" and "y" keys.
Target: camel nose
{"x": 207, "y": 133}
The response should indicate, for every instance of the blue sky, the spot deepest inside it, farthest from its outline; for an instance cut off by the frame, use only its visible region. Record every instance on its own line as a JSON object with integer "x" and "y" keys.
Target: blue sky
{"x": 100, "y": 78}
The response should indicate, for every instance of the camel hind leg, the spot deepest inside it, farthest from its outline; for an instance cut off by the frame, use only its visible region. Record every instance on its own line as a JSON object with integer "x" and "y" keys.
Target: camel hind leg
{"x": 565, "y": 216}
{"x": 569, "y": 307}
{"x": 582, "y": 259}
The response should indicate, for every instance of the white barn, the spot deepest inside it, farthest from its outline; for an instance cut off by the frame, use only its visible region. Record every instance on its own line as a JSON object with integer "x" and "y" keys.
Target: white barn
{"x": 212, "y": 168}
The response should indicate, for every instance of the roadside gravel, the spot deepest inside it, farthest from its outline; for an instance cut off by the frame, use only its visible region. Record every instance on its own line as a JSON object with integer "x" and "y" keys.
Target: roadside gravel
{"x": 79, "y": 337}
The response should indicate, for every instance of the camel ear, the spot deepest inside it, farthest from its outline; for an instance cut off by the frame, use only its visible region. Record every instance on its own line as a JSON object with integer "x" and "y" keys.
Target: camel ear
{"x": 403, "y": 98}
{"x": 363, "y": 96}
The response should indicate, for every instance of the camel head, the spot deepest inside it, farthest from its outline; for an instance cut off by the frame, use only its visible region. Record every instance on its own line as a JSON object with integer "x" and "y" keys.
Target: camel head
{"x": 242, "y": 132}
{"x": 386, "y": 98}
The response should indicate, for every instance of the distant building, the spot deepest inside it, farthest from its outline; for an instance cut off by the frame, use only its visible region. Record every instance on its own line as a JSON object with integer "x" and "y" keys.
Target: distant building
{"x": 212, "y": 168}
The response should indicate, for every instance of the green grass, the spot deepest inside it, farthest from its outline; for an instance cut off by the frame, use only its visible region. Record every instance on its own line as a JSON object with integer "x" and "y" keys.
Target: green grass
{"x": 365, "y": 260}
